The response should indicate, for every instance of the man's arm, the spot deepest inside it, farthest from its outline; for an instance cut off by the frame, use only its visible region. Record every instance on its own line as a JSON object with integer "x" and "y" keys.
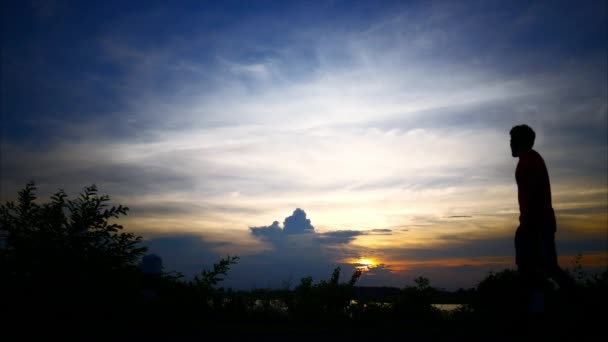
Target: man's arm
{"x": 528, "y": 182}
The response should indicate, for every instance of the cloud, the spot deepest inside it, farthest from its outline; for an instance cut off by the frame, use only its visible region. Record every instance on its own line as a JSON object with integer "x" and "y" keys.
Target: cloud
{"x": 273, "y": 233}
{"x": 72, "y": 167}
{"x": 395, "y": 115}
{"x": 297, "y": 223}
{"x": 186, "y": 253}
{"x": 381, "y": 231}
{"x": 257, "y": 71}
{"x": 339, "y": 236}
{"x": 297, "y": 250}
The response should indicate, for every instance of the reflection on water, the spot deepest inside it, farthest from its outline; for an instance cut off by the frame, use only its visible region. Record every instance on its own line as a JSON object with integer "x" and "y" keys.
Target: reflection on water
{"x": 281, "y": 306}
{"x": 447, "y": 307}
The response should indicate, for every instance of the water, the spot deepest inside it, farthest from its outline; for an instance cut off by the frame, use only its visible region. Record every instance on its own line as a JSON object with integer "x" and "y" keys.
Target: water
{"x": 447, "y": 307}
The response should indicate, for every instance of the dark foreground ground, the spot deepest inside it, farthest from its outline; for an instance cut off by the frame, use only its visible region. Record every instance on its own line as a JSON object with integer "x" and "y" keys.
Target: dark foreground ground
{"x": 565, "y": 319}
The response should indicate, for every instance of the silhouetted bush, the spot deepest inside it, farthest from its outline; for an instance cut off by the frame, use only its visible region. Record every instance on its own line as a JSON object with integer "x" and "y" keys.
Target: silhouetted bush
{"x": 327, "y": 299}
{"x": 414, "y": 302}
{"x": 63, "y": 260}
{"x": 176, "y": 302}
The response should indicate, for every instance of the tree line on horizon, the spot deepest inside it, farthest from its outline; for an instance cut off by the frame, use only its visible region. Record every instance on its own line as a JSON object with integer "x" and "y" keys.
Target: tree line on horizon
{"x": 66, "y": 268}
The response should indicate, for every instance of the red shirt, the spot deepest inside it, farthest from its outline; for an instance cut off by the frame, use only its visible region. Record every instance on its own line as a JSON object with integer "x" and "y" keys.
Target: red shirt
{"x": 534, "y": 193}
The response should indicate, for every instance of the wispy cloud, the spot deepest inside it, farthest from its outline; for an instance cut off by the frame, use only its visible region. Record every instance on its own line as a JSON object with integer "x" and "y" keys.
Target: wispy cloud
{"x": 398, "y": 119}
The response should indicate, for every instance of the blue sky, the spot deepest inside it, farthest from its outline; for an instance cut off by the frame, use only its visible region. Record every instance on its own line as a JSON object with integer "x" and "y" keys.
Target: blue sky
{"x": 386, "y": 123}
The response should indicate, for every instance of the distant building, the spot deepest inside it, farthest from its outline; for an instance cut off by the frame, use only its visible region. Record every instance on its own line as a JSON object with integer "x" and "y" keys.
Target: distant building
{"x": 3, "y": 238}
{"x": 151, "y": 264}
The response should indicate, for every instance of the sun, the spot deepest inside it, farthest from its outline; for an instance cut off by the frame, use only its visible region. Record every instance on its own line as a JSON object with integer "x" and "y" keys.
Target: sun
{"x": 365, "y": 264}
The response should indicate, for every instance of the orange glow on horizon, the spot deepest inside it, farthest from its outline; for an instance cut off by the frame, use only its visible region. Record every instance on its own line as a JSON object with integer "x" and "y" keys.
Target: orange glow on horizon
{"x": 363, "y": 264}
{"x": 399, "y": 266}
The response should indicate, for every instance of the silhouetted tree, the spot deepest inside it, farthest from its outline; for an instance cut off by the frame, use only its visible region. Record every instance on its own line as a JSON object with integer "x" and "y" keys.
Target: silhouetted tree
{"x": 327, "y": 299}
{"x": 207, "y": 279}
{"x": 414, "y": 302}
{"x": 64, "y": 258}
{"x": 499, "y": 294}
{"x": 73, "y": 235}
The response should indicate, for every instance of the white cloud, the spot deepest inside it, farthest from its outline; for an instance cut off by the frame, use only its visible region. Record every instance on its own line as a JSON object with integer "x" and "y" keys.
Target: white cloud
{"x": 398, "y": 123}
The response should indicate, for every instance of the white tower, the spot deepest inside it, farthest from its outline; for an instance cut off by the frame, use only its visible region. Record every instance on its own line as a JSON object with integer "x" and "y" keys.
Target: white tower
{"x": 152, "y": 264}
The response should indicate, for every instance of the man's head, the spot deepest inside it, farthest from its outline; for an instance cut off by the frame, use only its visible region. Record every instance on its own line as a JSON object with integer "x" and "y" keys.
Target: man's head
{"x": 522, "y": 139}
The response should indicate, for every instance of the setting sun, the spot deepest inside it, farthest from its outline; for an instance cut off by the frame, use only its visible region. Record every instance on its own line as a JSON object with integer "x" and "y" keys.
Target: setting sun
{"x": 365, "y": 264}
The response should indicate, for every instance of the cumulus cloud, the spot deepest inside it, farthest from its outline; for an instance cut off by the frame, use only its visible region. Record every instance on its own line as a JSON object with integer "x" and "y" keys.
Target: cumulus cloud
{"x": 297, "y": 223}
{"x": 297, "y": 250}
{"x": 273, "y": 233}
{"x": 273, "y": 229}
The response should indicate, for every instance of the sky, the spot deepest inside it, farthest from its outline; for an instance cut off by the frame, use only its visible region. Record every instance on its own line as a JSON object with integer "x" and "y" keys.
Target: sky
{"x": 306, "y": 135}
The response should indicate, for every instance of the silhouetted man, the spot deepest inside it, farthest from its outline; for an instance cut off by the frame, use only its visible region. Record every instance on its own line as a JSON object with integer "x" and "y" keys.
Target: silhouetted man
{"x": 535, "y": 253}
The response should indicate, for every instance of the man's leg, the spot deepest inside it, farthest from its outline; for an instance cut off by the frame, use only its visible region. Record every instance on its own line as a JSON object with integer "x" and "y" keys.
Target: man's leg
{"x": 527, "y": 251}
{"x": 551, "y": 266}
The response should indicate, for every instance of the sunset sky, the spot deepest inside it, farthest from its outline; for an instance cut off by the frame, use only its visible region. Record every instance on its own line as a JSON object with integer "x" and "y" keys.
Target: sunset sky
{"x": 305, "y": 135}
